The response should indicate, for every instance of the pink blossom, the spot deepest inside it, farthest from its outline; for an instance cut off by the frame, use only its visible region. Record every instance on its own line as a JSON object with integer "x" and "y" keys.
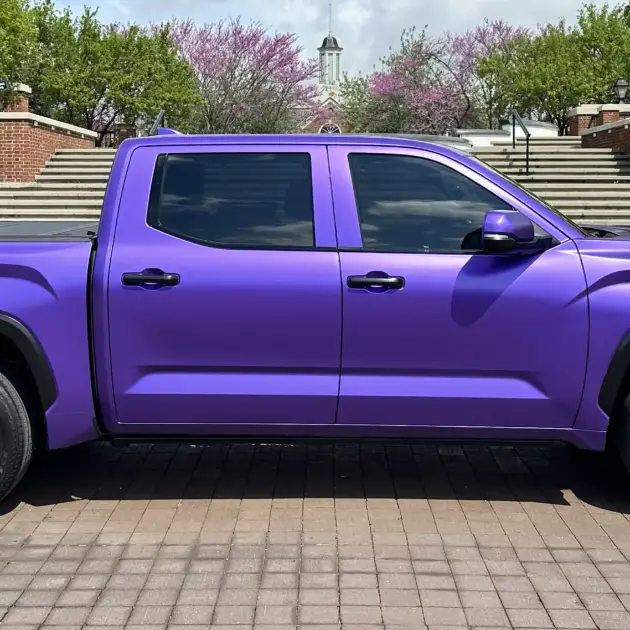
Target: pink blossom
{"x": 250, "y": 80}
{"x": 430, "y": 85}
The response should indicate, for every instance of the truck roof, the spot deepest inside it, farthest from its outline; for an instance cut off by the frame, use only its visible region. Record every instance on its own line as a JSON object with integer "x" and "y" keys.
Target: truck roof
{"x": 441, "y": 144}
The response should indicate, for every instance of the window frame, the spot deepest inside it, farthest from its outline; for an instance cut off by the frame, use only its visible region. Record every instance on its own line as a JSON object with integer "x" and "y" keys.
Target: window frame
{"x": 362, "y": 220}
{"x": 346, "y": 210}
{"x": 324, "y": 235}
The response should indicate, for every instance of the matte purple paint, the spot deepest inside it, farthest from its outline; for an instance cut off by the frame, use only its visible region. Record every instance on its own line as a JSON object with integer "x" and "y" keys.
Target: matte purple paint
{"x": 511, "y": 224}
{"x": 264, "y": 343}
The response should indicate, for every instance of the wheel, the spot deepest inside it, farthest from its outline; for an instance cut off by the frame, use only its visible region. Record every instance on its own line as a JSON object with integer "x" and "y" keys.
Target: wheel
{"x": 16, "y": 436}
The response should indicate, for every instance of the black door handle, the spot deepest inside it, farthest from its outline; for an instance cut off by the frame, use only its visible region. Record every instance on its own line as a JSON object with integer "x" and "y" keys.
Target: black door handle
{"x": 364, "y": 282}
{"x": 139, "y": 279}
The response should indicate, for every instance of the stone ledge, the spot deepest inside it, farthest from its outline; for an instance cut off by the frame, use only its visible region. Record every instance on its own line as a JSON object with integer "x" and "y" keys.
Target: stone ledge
{"x": 53, "y": 125}
{"x": 593, "y": 109}
{"x": 483, "y": 132}
{"x": 624, "y": 122}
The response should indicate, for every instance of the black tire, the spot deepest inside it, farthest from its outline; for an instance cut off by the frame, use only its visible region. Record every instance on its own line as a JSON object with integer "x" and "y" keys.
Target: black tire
{"x": 16, "y": 435}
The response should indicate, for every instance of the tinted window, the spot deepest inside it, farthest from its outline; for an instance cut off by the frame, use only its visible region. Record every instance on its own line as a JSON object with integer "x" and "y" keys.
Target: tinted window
{"x": 253, "y": 200}
{"x": 411, "y": 204}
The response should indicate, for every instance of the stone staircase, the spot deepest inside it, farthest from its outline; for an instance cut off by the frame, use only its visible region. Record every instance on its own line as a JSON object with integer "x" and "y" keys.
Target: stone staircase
{"x": 70, "y": 186}
{"x": 588, "y": 185}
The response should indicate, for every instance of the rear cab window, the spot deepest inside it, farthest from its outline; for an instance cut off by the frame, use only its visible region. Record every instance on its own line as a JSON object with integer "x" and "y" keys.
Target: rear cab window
{"x": 235, "y": 200}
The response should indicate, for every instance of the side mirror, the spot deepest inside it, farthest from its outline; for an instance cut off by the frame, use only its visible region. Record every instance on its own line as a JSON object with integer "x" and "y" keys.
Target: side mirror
{"x": 505, "y": 230}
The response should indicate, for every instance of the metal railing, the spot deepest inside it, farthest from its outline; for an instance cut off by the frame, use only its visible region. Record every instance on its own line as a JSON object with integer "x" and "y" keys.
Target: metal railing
{"x": 157, "y": 123}
{"x": 516, "y": 118}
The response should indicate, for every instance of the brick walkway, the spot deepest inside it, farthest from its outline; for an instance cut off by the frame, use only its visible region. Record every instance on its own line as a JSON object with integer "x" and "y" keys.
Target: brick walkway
{"x": 368, "y": 536}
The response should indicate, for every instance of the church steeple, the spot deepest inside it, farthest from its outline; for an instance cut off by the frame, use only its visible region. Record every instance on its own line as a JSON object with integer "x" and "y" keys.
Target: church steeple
{"x": 330, "y": 56}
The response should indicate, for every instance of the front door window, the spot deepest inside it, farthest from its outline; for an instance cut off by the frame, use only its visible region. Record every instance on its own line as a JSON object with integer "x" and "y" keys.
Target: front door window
{"x": 409, "y": 204}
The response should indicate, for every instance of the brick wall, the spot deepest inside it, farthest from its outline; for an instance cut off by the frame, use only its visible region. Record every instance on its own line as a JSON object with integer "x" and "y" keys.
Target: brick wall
{"x": 27, "y": 141}
{"x": 26, "y": 146}
{"x": 615, "y": 135}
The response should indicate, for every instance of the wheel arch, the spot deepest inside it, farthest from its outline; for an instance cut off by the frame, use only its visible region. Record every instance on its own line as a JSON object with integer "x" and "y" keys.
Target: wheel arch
{"x": 617, "y": 378}
{"x": 19, "y": 343}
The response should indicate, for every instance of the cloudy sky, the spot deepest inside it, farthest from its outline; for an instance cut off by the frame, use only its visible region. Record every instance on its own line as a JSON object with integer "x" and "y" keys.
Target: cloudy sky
{"x": 365, "y": 28}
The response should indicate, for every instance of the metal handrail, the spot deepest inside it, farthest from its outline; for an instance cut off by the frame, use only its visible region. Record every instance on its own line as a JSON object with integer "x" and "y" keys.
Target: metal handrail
{"x": 516, "y": 118}
{"x": 159, "y": 119}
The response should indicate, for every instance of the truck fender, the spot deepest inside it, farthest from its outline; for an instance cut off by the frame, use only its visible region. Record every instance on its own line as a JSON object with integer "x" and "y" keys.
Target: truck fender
{"x": 34, "y": 355}
{"x": 615, "y": 375}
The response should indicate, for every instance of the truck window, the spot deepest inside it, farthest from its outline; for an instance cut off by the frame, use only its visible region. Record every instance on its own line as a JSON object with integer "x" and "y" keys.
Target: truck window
{"x": 411, "y": 204}
{"x": 234, "y": 200}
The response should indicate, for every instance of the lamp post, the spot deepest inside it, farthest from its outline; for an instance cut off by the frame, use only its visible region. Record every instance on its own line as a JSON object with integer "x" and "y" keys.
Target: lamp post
{"x": 620, "y": 88}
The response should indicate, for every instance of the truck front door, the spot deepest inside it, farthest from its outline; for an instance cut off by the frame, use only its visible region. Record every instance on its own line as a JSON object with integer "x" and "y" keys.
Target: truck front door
{"x": 224, "y": 289}
{"x": 454, "y": 337}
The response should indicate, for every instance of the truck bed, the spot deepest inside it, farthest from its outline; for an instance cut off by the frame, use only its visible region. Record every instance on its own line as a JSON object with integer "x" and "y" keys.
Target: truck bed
{"x": 47, "y": 230}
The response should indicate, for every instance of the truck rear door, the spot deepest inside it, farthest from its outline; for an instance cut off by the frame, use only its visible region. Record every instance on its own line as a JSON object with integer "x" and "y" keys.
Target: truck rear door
{"x": 225, "y": 290}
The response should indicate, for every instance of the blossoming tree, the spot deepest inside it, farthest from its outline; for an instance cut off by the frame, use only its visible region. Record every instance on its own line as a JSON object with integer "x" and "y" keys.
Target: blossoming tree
{"x": 251, "y": 81}
{"x": 429, "y": 85}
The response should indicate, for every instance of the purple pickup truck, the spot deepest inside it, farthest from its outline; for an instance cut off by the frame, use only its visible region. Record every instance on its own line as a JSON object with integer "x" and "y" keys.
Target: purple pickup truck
{"x": 311, "y": 286}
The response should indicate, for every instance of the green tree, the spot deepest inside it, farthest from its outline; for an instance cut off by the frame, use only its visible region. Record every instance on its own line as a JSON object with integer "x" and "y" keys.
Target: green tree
{"x": 18, "y": 39}
{"x": 355, "y": 98}
{"x": 561, "y": 67}
{"x": 604, "y": 36}
{"x": 94, "y": 75}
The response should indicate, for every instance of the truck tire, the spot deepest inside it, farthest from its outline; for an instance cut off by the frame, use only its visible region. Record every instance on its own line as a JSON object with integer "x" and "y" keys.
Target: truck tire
{"x": 16, "y": 436}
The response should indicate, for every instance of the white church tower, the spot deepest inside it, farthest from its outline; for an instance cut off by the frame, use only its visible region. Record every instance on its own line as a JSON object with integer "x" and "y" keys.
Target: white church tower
{"x": 330, "y": 59}
{"x": 329, "y": 82}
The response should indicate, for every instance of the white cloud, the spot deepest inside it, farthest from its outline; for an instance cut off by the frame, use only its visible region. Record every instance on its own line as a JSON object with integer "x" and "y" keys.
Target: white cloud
{"x": 365, "y": 28}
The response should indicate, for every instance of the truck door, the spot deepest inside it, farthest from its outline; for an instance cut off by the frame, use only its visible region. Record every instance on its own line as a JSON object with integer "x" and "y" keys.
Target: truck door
{"x": 436, "y": 332}
{"x": 224, "y": 290}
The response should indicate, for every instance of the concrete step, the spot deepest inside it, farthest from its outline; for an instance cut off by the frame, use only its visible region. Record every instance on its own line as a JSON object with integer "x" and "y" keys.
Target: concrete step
{"x": 592, "y": 204}
{"x": 75, "y": 164}
{"x": 103, "y": 154}
{"x": 541, "y": 144}
{"x": 50, "y": 204}
{"x": 554, "y": 159}
{"x": 69, "y": 160}
{"x": 547, "y": 140}
{"x": 551, "y": 150}
{"x": 37, "y": 194}
{"x": 62, "y": 170}
{"x": 621, "y": 220}
{"x": 564, "y": 177}
{"x": 565, "y": 148}
{"x": 36, "y": 214}
{"x": 540, "y": 164}
{"x": 575, "y": 172}
{"x": 71, "y": 178}
{"x": 47, "y": 218}
{"x": 579, "y": 186}
{"x": 52, "y": 187}
{"x": 621, "y": 195}
{"x": 85, "y": 151}
{"x": 598, "y": 216}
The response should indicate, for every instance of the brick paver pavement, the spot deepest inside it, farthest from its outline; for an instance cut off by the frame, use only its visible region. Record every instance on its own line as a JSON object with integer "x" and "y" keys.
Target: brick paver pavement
{"x": 317, "y": 536}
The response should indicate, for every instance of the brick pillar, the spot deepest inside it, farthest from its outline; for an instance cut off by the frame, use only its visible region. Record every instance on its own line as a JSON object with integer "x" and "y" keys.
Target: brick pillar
{"x": 21, "y": 104}
{"x": 607, "y": 116}
{"x": 581, "y": 118}
{"x": 579, "y": 123}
